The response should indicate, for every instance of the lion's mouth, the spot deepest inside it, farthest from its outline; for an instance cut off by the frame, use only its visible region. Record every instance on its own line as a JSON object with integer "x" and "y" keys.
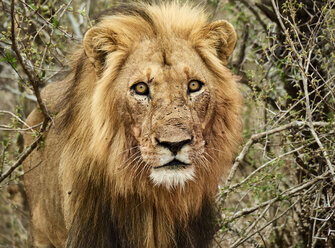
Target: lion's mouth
{"x": 174, "y": 164}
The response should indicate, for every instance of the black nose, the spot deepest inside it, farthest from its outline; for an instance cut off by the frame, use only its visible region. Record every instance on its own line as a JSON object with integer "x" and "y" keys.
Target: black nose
{"x": 174, "y": 147}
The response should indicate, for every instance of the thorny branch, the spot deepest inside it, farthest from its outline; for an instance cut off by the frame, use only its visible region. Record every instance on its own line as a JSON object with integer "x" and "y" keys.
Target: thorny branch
{"x": 242, "y": 240}
{"x": 296, "y": 45}
{"x": 256, "y": 137}
{"x": 24, "y": 154}
{"x": 34, "y": 81}
{"x": 304, "y": 70}
{"x": 290, "y": 192}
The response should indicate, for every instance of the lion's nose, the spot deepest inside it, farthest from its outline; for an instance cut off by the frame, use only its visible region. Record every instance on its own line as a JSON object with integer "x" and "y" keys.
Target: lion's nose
{"x": 174, "y": 147}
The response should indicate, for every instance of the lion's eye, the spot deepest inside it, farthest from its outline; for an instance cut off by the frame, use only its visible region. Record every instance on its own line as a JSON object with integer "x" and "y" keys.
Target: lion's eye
{"x": 194, "y": 86}
{"x": 141, "y": 88}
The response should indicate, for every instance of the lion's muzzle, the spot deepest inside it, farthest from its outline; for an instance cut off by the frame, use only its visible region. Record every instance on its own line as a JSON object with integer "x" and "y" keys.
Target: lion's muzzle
{"x": 174, "y": 140}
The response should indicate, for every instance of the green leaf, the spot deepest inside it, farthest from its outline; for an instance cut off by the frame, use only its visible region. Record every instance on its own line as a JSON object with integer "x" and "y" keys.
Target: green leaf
{"x": 42, "y": 74}
{"x": 9, "y": 59}
{"x": 33, "y": 6}
{"x": 55, "y": 22}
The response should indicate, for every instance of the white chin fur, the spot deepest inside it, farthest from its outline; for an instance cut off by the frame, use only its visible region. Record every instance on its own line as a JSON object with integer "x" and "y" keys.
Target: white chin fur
{"x": 172, "y": 178}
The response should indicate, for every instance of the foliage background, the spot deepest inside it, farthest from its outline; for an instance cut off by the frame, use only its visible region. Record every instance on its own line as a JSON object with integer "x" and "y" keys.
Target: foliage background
{"x": 281, "y": 190}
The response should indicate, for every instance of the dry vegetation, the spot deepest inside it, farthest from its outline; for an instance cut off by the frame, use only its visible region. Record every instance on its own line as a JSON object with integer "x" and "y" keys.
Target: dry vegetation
{"x": 281, "y": 189}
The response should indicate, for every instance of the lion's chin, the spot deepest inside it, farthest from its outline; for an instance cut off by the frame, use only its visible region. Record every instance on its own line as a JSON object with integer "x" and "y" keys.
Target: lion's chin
{"x": 172, "y": 177}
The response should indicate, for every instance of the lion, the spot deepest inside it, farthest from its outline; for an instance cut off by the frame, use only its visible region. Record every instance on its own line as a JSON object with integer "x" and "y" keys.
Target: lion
{"x": 148, "y": 122}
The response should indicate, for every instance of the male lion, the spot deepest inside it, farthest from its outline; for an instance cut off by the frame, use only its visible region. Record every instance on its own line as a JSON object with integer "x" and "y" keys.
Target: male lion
{"x": 147, "y": 124}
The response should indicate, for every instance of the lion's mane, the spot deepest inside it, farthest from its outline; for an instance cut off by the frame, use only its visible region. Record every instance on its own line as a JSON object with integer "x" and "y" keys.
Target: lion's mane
{"x": 110, "y": 205}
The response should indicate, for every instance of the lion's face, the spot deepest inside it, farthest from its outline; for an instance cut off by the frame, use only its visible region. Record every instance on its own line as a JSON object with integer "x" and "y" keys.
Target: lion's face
{"x": 174, "y": 98}
{"x": 169, "y": 101}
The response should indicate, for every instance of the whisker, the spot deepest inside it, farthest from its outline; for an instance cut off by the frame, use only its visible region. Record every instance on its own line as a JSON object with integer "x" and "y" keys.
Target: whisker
{"x": 127, "y": 150}
{"x": 145, "y": 167}
{"x": 211, "y": 158}
{"x": 138, "y": 166}
{"x": 136, "y": 160}
{"x": 198, "y": 161}
{"x": 127, "y": 163}
{"x": 211, "y": 148}
{"x": 135, "y": 154}
{"x": 208, "y": 168}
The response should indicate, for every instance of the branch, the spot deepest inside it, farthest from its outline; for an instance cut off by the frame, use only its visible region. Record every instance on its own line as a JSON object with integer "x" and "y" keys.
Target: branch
{"x": 253, "y": 10}
{"x": 15, "y": 116}
{"x": 46, "y": 21}
{"x": 35, "y": 82}
{"x": 254, "y": 138}
{"x": 290, "y": 192}
{"x": 316, "y": 236}
{"x": 16, "y": 92}
{"x": 267, "y": 12}
{"x": 75, "y": 25}
{"x": 241, "y": 54}
{"x": 216, "y": 8}
{"x": 9, "y": 128}
{"x": 245, "y": 80}
{"x": 310, "y": 118}
{"x": 304, "y": 70}
{"x": 260, "y": 168}
{"x": 241, "y": 241}
{"x": 23, "y": 155}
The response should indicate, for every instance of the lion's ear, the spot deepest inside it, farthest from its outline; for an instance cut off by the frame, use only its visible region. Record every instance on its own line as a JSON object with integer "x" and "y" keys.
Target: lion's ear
{"x": 222, "y": 37}
{"x": 98, "y": 42}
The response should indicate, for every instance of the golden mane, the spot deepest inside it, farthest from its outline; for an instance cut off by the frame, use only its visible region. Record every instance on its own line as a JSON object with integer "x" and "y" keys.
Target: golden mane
{"x": 111, "y": 205}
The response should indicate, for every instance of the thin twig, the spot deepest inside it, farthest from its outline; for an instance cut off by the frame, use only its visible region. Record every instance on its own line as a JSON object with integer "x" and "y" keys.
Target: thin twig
{"x": 34, "y": 81}
{"x": 304, "y": 70}
{"x": 290, "y": 192}
{"x": 24, "y": 155}
{"x": 236, "y": 244}
{"x": 257, "y": 16}
{"x": 16, "y": 92}
{"x": 260, "y": 168}
{"x": 242, "y": 51}
{"x": 9, "y": 128}
{"x": 254, "y": 138}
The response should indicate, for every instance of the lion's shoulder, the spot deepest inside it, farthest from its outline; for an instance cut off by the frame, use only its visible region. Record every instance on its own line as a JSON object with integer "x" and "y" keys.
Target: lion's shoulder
{"x": 52, "y": 95}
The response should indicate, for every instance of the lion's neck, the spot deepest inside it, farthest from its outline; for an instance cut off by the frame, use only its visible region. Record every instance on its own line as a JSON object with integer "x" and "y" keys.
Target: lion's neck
{"x": 146, "y": 223}
{"x": 165, "y": 220}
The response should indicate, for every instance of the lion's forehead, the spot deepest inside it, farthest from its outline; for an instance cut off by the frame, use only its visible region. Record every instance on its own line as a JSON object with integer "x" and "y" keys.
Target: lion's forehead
{"x": 166, "y": 62}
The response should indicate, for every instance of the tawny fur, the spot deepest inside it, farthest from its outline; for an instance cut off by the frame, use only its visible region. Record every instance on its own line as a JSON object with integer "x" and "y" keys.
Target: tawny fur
{"x": 90, "y": 185}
